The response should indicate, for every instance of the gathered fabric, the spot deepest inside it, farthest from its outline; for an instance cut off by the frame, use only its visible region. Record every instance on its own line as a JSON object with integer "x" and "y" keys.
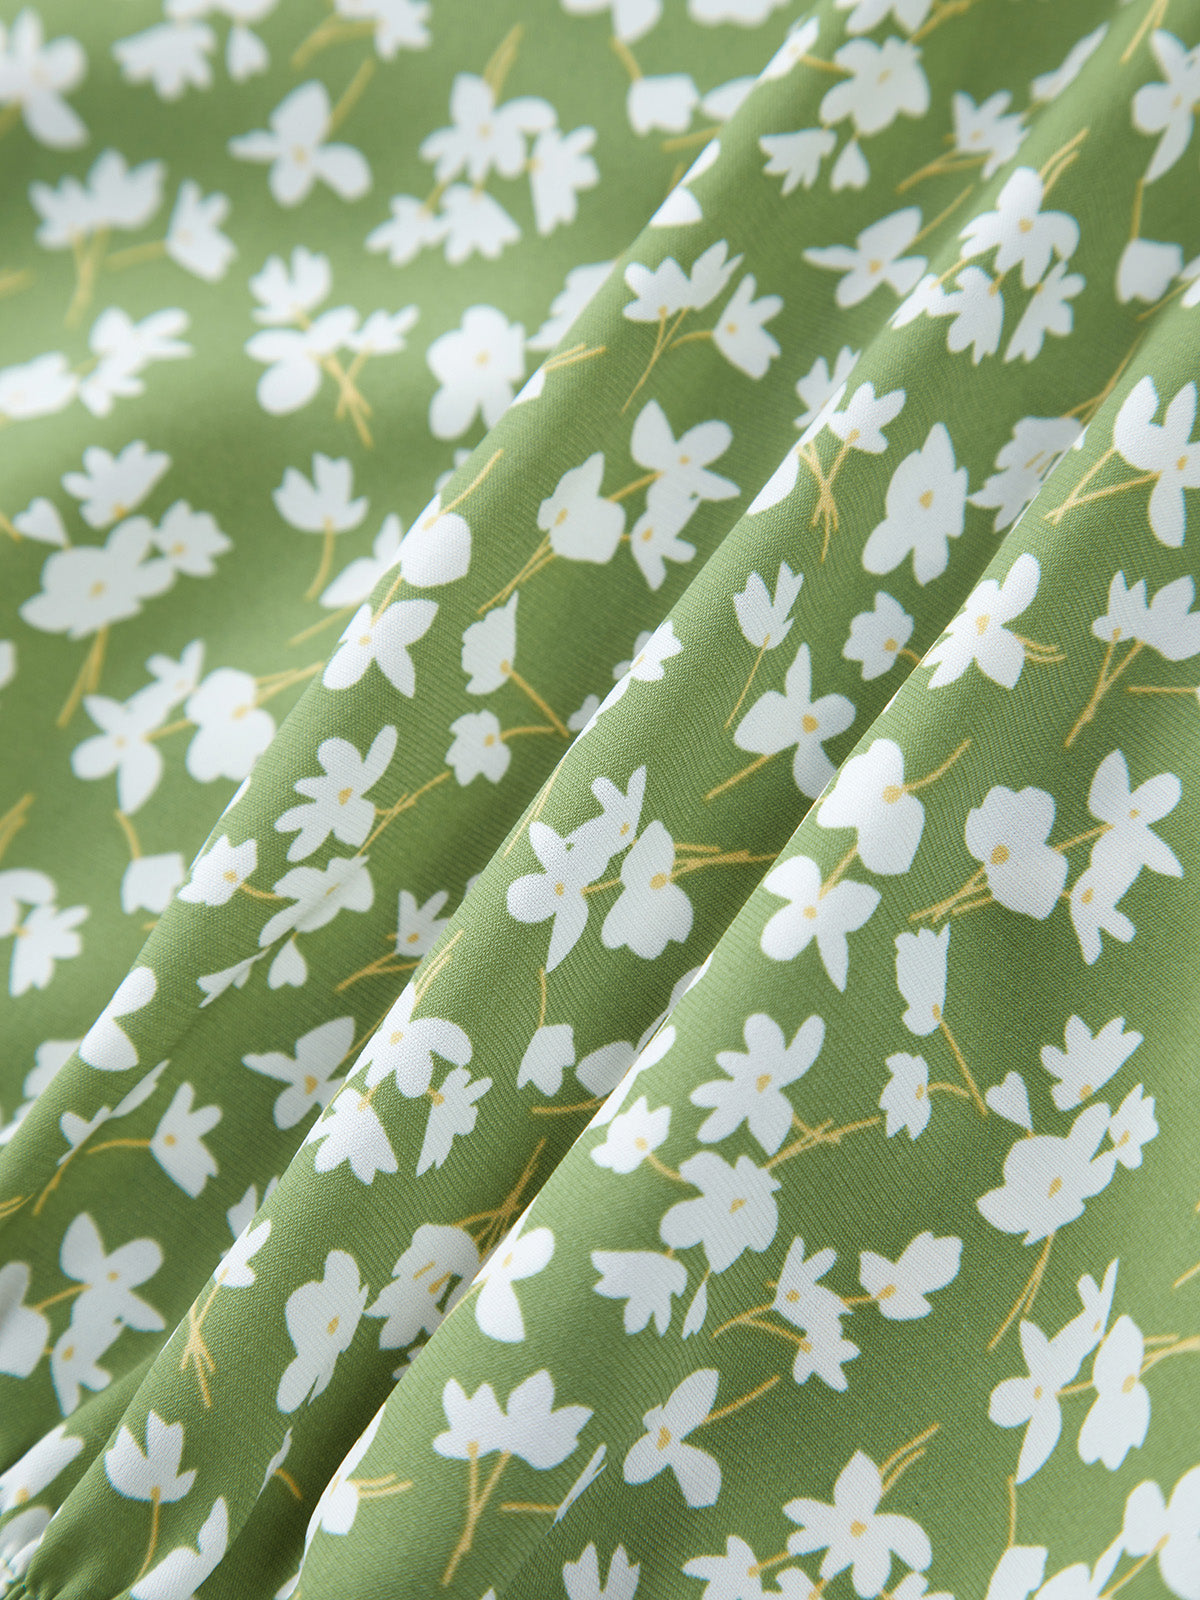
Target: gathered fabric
{"x": 600, "y": 829}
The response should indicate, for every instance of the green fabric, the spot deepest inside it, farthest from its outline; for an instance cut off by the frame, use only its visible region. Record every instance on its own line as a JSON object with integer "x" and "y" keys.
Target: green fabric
{"x": 719, "y": 915}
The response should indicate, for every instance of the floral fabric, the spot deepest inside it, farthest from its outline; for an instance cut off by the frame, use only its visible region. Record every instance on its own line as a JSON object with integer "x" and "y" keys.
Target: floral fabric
{"x": 600, "y": 839}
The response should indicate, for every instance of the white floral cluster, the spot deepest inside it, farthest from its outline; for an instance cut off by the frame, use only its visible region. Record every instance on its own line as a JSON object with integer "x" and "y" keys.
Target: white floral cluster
{"x": 488, "y": 137}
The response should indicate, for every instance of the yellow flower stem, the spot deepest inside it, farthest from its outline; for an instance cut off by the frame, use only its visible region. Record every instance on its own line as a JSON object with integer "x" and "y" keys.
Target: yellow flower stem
{"x": 88, "y": 679}
{"x": 960, "y": 1062}
{"x": 1104, "y": 683}
{"x": 746, "y": 689}
{"x": 1025, "y": 1299}
{"x": 738, "y": 776}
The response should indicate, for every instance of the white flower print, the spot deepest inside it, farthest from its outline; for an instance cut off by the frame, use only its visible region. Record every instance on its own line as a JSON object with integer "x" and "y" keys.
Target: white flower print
{"x": 682, "y": 464}
{"x": 489, "y": 648}
{"x": 735, "y": 1575}
{"x": 219, "y": 873}
{"x": 734, "y": 1212}
{"x": 925, "y": 505}
{"x": 1170, "y": 1528}
{"x": 1166, "y": 624}
{"x": 519, "y": 1255}
{"x": 478, "y": 748}
{"x": 877, "y": 256}
{"x": 878, "y": 636}
{"x": 171, "y": 56}
{"x": 91, "y": 586}
{"x": 106, "y": 1046}
{"x": 986, "y": 128}
{"x": 1087, "y": 1062}
{"x": 452, "y": 1113}
{"x": 533, "y": 1428}
{"x": 296, "y": 149}
{"x": 319, "y": 893}
{"x": 232, "y": 730}
{"x": 905, "y": 1098}
{"x": 122, "y": 746}
{"x": 419, "y": 926}
{"x": 632, "y": 1135}
{"x": 884, "y": 81}
{"x": 178, "y": 1141}
{"x": 474, "y": 223}
{"x": 1047, "y": 1178}
{"x": 739, "y": 332}
{"x": 153, "y": 1473}
{"x": 38, "y": 1467}
{"x": 1167, "y": 108}
{"x": 1022, "y": 465}
{"x": 978, "y": 633}
{"x": 24, "y": 1332}
{"x": 483, "y": 136}
{"x": 399, "y": 24}
{"x": 870, "y": 797}
{"x": 810, "y": 914}
{"x": 383, "y": 639}
{"x": 124, "y": 348}
{"x": 921, "y": 978}
{"x": 1008, "y": 835}
{"x": 900, "y": 1287}
{"x": 113, "y": 195}
{"x": 630, "y": 18}
{"x": 420, "y": 1280}
{"x": 753, "y": 1090}
{"x": 194, "y": 238}
{"x": 549, "y": 1052}
{"x": 110, "y": 1277}
{"x": 36, "y": 76}
{"x": 322, "y": 506}
{"x": 1120, "y": 1414}
{"x": 1032, "y": 1401}
{"x": 190, "y": 539}
{"x": 796, "y": 157}
{"x": 322, "y": 1318}
{"x": 766, "y": 622}
{"x": 478, "y": 366}
{"x": 1048, "y": 311}
{"x": 559, "y": 168}
{"x": 351, "y": 1131}
{"x": 816, "y": 1312}
{"x": 37, "y": 388}
{"x": 1093, "y": 903}
{"x": 185, "y": 1568}
{"x": 1020, "y": 232}
{"x": 1146, "y": 269}
{"x": 335, "y": 803}
{"x": 337, "y": 1508}
{"x": 651, "y": 911}
{"x": 664, "y": 290}
{"x": 581, "y": 1578}
{"x": 308, "y": 1074}
{"x": 555, "y": 892}
{"x": 45, "y": 935}
{"x": 1085, "y": 1330}
{"x": 854, "y": 1533}
{"x": 581, "y": 524}
{"x": 645, "y": 1280}
{"x": 1132, "y": 1125}
{"x": 354, "y": 583}
{"x": 1165, "y": 448}
{"x": 664, "y": 1444}
{"x": 111, "y": 487}
{"x": 294, "y": 357}
{"x": 777, "y": 722}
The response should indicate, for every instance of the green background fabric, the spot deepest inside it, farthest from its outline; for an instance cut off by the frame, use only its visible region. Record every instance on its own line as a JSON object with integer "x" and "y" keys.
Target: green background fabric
{"x": 765, "y": 950}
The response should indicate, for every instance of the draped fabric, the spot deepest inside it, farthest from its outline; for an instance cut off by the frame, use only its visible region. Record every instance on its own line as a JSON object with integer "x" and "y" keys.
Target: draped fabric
{"x": 601, "y": 800}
